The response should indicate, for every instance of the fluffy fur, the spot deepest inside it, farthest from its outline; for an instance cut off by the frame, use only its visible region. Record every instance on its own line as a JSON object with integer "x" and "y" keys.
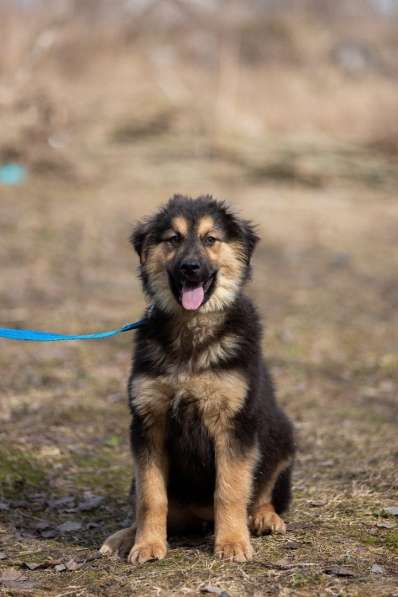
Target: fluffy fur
{"x": 209, "y": 442}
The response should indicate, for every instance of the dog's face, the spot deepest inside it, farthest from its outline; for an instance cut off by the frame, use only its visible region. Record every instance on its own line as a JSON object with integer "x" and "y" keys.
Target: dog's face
{"x": 194, "y": 254}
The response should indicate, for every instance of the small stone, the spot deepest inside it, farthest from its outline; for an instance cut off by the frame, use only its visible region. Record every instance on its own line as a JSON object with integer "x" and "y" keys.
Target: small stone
{"x": 393, "y": 510}
{"x": 69, "y": 527}
{"x": 377, "y": 569}
{"x": 60, "y": 568}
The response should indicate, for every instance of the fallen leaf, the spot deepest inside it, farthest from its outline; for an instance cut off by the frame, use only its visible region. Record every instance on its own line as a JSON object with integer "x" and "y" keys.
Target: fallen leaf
{"x": 316, "y": 503}
{"x": 96, "y": 556}
{"x": 60, "y": 503}
{"x": 391, "y": 510}
{"x": 49, "y": 534}
{"x": 339, "y": 571}
{"x": 292, "y": 545}
{"x": 385, "y": 525}
{"x": 30, "y": 565}
{"x": 14, "y": 579}
{"x": 73, "y": 565}
{"x": 69, "y": 526}
{"x": 41, "y": 525}
{"x": 20, "y": 504}
{"x": 11, "y": 574}
{"x": 41, "y": 565}
{"x": 90, "y": 503}
{"x": 327, "y": 463}
{"x": 24, "y": 586}
{"x": 27, "y": 533}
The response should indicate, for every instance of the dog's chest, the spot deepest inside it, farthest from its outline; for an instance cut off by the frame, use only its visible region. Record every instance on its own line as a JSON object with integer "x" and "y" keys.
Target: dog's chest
{"x": 215, "y": 396}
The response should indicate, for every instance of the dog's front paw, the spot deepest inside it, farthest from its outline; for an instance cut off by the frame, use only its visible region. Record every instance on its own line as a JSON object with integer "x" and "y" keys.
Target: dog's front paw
{"x": 119, "y": 544}
{"x": 145, "y": 551}
{"x": 236, "y": 550}
{"x": 265, "y": 520}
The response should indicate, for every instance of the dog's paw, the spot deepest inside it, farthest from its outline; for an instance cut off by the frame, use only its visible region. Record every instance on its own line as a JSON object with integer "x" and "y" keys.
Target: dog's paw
{"x": 119, "y": 544}
{"x": 234, "y": 550}
{"x": 265, "y": 520}
{"x": 146, "y": 551}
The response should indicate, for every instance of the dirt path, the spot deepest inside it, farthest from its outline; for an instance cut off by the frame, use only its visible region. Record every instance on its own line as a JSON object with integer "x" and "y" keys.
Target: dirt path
{"x": 325, "y": 277}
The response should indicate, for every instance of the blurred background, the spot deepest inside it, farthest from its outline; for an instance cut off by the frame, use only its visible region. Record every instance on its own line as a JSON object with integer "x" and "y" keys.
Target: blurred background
{"x": 108, "y": 108}
{"x": 286, "y": 108}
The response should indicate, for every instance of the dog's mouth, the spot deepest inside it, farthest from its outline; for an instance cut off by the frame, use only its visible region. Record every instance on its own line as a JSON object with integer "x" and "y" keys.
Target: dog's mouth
{"x": 193, "y": 295}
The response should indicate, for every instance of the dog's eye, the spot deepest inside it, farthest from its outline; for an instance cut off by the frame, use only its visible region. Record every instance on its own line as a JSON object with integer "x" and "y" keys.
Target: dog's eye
{"x": 174, "y": 240}
{"x": 209, "y": 241}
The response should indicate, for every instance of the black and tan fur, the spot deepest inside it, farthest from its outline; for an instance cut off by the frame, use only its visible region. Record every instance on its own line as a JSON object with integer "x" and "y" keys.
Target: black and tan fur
{"x": 209, "y": 441}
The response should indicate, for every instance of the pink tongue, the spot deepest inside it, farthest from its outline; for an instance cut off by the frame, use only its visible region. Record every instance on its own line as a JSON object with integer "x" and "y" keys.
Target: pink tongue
{"x": 192, "y": 298}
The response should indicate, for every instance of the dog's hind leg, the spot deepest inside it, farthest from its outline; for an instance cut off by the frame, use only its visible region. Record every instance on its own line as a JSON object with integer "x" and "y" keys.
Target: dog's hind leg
{"x": 272, "y": 499}
{"x": 119, "y": 544}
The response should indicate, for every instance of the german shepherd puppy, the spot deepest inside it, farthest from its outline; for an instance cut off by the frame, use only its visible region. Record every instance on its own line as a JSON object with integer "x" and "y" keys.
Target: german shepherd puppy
{"x": 209, "y": 442}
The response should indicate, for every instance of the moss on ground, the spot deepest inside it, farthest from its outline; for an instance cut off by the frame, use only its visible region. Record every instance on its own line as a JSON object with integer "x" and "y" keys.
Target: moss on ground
{"x": 20, "y": 472}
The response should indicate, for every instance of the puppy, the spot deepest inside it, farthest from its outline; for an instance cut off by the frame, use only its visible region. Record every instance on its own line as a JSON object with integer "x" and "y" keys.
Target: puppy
{"x": 209, "y": 441}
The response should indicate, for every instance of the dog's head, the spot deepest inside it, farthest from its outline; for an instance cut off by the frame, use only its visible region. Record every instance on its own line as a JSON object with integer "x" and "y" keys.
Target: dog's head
{"x": 194, "y": 254}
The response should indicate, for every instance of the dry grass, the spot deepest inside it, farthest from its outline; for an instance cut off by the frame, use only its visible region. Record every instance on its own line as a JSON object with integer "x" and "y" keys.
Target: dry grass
{"x": 108, "y": 136}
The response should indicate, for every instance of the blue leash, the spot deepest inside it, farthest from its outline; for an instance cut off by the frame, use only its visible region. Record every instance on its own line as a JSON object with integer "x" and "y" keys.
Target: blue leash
{"x": 37, "y": 336}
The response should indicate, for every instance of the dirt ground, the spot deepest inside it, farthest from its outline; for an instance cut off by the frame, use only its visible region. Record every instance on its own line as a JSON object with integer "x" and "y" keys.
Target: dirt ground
{"x": 325, "y": 280}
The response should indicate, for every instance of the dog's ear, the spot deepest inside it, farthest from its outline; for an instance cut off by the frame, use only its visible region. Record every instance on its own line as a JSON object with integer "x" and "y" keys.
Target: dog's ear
{"x": 243, "y": 229}
{"x": 249, "y": 237}
{"x": 138, "y": 238}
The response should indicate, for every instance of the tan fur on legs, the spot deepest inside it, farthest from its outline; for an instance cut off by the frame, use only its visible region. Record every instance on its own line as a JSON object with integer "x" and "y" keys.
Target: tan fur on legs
{"x": 150, "y": 540}
{"x": 264, "y": 520}
{"x": 151, "y": 492}
{"x": 233, "y": 489}
{"x": 119, "y": 544}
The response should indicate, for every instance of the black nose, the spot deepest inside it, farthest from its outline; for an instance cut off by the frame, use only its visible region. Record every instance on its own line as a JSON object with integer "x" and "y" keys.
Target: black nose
{"x": 190, "y": 267}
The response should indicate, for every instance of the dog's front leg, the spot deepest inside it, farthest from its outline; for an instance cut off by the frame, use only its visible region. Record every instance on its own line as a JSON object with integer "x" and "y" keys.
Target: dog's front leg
{"x": 233, "y": 490}
{"x": 151, "y": 494}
